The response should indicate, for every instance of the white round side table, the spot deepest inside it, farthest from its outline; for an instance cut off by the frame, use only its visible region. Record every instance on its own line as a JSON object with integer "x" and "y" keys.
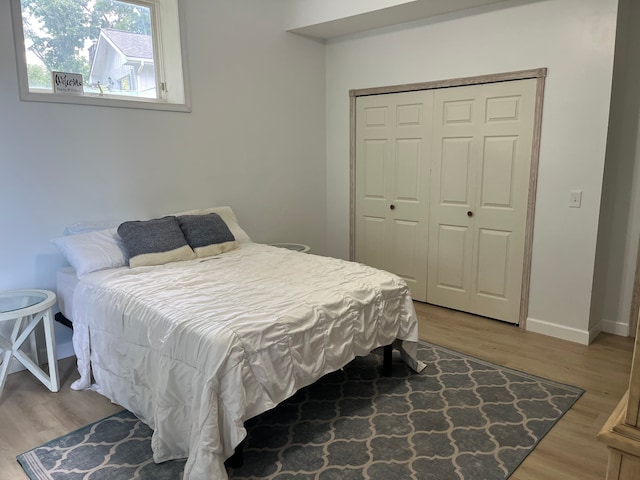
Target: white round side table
{"x": 28, "y": 308}
{"x": 298, "y": 247}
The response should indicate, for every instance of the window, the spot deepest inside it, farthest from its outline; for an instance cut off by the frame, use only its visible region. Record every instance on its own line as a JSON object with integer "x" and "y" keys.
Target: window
{"x": 129, "y": 53}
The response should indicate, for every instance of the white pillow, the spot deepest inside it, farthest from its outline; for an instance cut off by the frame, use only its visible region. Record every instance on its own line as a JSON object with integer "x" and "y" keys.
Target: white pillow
{"x": 91, "y": 251}
{"x": 229, "y": 218}
{"x": 85, "y": 227}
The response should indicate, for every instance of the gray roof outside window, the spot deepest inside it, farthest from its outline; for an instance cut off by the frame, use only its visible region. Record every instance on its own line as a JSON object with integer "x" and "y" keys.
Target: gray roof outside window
{"x": 132, "y": 45}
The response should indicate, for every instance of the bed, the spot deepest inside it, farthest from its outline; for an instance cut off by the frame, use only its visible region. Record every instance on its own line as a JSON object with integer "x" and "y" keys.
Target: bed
{"x": 196, "y": 347}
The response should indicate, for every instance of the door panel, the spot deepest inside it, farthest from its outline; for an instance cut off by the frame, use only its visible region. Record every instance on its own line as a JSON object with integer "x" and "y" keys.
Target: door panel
{"x": 372, "y": 245}
{"x": 497, "y": 172}
{"x": 454, "y": 172}
{"x": 457, "y": 111}
{"x": 483, "y": 189}
{"x": 373, "y": 169}
{"x": 493, "y": 263}
{"x": 452, "y": 272}
{"x": 410, "y": 114}
{"x": 453, "y": 191}
{"x": 392, "y": 184}
{"x": 503, "y": 108}
{"x": 408, "y": 170}
{"x": 405, "y": 235}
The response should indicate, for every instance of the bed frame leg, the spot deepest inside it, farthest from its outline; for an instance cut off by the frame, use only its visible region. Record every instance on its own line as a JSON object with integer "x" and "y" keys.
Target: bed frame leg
{"x": 237, "y": 459}
{"x": 387, "y": 360}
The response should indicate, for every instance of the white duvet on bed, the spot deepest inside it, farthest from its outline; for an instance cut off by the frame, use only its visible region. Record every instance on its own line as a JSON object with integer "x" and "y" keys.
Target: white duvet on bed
{"x": 196, "y": 348}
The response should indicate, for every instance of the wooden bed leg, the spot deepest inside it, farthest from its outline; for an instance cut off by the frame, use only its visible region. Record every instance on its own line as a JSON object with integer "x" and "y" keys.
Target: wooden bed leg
{"x": 387, "y": 360}
{"x": 237, "y": 459}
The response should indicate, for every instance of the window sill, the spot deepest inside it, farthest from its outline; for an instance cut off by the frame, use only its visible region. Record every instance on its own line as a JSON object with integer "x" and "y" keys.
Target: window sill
{"x": 96, "y": 100}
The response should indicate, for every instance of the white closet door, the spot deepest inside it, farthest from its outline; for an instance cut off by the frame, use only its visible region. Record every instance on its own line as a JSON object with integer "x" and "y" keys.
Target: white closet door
{"x": 392, "y": 184}
{"x": 482, "y": 141}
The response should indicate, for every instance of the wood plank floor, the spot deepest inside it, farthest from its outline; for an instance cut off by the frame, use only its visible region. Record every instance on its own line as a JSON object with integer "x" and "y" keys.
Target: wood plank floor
{"x": 570, "y": 451}
{"x": 31, "y": 415}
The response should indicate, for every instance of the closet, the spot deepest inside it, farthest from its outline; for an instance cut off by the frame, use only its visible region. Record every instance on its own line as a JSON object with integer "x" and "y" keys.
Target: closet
{"x": 443, "y": 188}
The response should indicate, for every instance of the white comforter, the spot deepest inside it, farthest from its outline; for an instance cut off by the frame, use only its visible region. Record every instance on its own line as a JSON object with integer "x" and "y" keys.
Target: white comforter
{"x": 196, "y": 348}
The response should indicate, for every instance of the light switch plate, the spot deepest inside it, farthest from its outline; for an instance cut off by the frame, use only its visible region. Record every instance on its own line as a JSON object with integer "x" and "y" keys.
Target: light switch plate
{"x": 575, "y": 198}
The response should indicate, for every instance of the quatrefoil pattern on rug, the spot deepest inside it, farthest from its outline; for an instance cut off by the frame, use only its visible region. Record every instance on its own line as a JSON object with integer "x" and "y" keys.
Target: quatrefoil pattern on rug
{"x": 461, "y": 418}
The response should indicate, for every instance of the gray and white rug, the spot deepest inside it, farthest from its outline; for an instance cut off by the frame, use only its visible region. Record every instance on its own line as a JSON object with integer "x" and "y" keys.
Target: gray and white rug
{"x": 461, "y": 418}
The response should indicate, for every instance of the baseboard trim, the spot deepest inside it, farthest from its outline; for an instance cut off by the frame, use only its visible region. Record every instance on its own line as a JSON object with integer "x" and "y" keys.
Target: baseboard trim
{"x": 615, "y": 328}
{"x": 575, "y": 335}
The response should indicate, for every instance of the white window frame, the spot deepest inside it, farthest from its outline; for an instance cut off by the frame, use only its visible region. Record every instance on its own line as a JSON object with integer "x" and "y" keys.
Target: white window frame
{"x": 170, "y": 54}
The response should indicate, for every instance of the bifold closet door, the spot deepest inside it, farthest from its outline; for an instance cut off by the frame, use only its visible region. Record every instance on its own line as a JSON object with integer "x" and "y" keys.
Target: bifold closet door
{"x": 480, "y": 170}
{"x": 393, "y": 145}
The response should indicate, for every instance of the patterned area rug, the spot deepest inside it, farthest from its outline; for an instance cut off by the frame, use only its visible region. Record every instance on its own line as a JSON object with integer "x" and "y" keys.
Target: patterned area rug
{"x": 461, "y": 418}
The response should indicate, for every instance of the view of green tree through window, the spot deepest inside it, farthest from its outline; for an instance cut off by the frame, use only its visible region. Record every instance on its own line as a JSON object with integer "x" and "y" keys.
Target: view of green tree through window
{"x": 108, "y": 41}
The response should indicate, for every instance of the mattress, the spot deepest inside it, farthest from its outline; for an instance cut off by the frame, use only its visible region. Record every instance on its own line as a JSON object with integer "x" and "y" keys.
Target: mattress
{"x": 196, "y": 348}
{"x": 66, "y": 283}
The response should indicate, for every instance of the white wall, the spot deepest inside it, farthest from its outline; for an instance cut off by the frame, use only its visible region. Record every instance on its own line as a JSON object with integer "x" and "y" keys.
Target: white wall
{"x": 574, "y": 39}
{"x": 255, "y": 140}
{"x": 619, "y": 229}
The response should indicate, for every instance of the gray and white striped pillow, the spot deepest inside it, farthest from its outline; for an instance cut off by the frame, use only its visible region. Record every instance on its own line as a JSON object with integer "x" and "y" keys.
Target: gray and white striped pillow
{"x": 155, "y": 242}
{"x": 208, "y": 234}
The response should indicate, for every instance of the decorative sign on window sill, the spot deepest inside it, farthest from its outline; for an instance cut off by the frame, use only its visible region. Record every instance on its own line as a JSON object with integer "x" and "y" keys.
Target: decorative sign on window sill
{"x": 68, "y": 83}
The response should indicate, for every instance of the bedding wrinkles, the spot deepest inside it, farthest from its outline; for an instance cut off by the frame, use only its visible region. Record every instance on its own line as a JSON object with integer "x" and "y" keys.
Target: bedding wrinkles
{"x": 195, "y": 348}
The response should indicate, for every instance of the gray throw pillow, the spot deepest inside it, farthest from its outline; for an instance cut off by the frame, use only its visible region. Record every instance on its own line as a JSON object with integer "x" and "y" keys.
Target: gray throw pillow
{"x": 207, "y": 234}
{"x": 154, "y": 242}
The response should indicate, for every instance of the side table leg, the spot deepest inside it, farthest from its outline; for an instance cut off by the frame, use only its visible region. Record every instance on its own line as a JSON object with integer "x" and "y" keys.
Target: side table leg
{"x": 4, "y": 368}
{"x": 52, "y": 380}
{"x": 50, "y": 340}
{"x": 34, "y": 348}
